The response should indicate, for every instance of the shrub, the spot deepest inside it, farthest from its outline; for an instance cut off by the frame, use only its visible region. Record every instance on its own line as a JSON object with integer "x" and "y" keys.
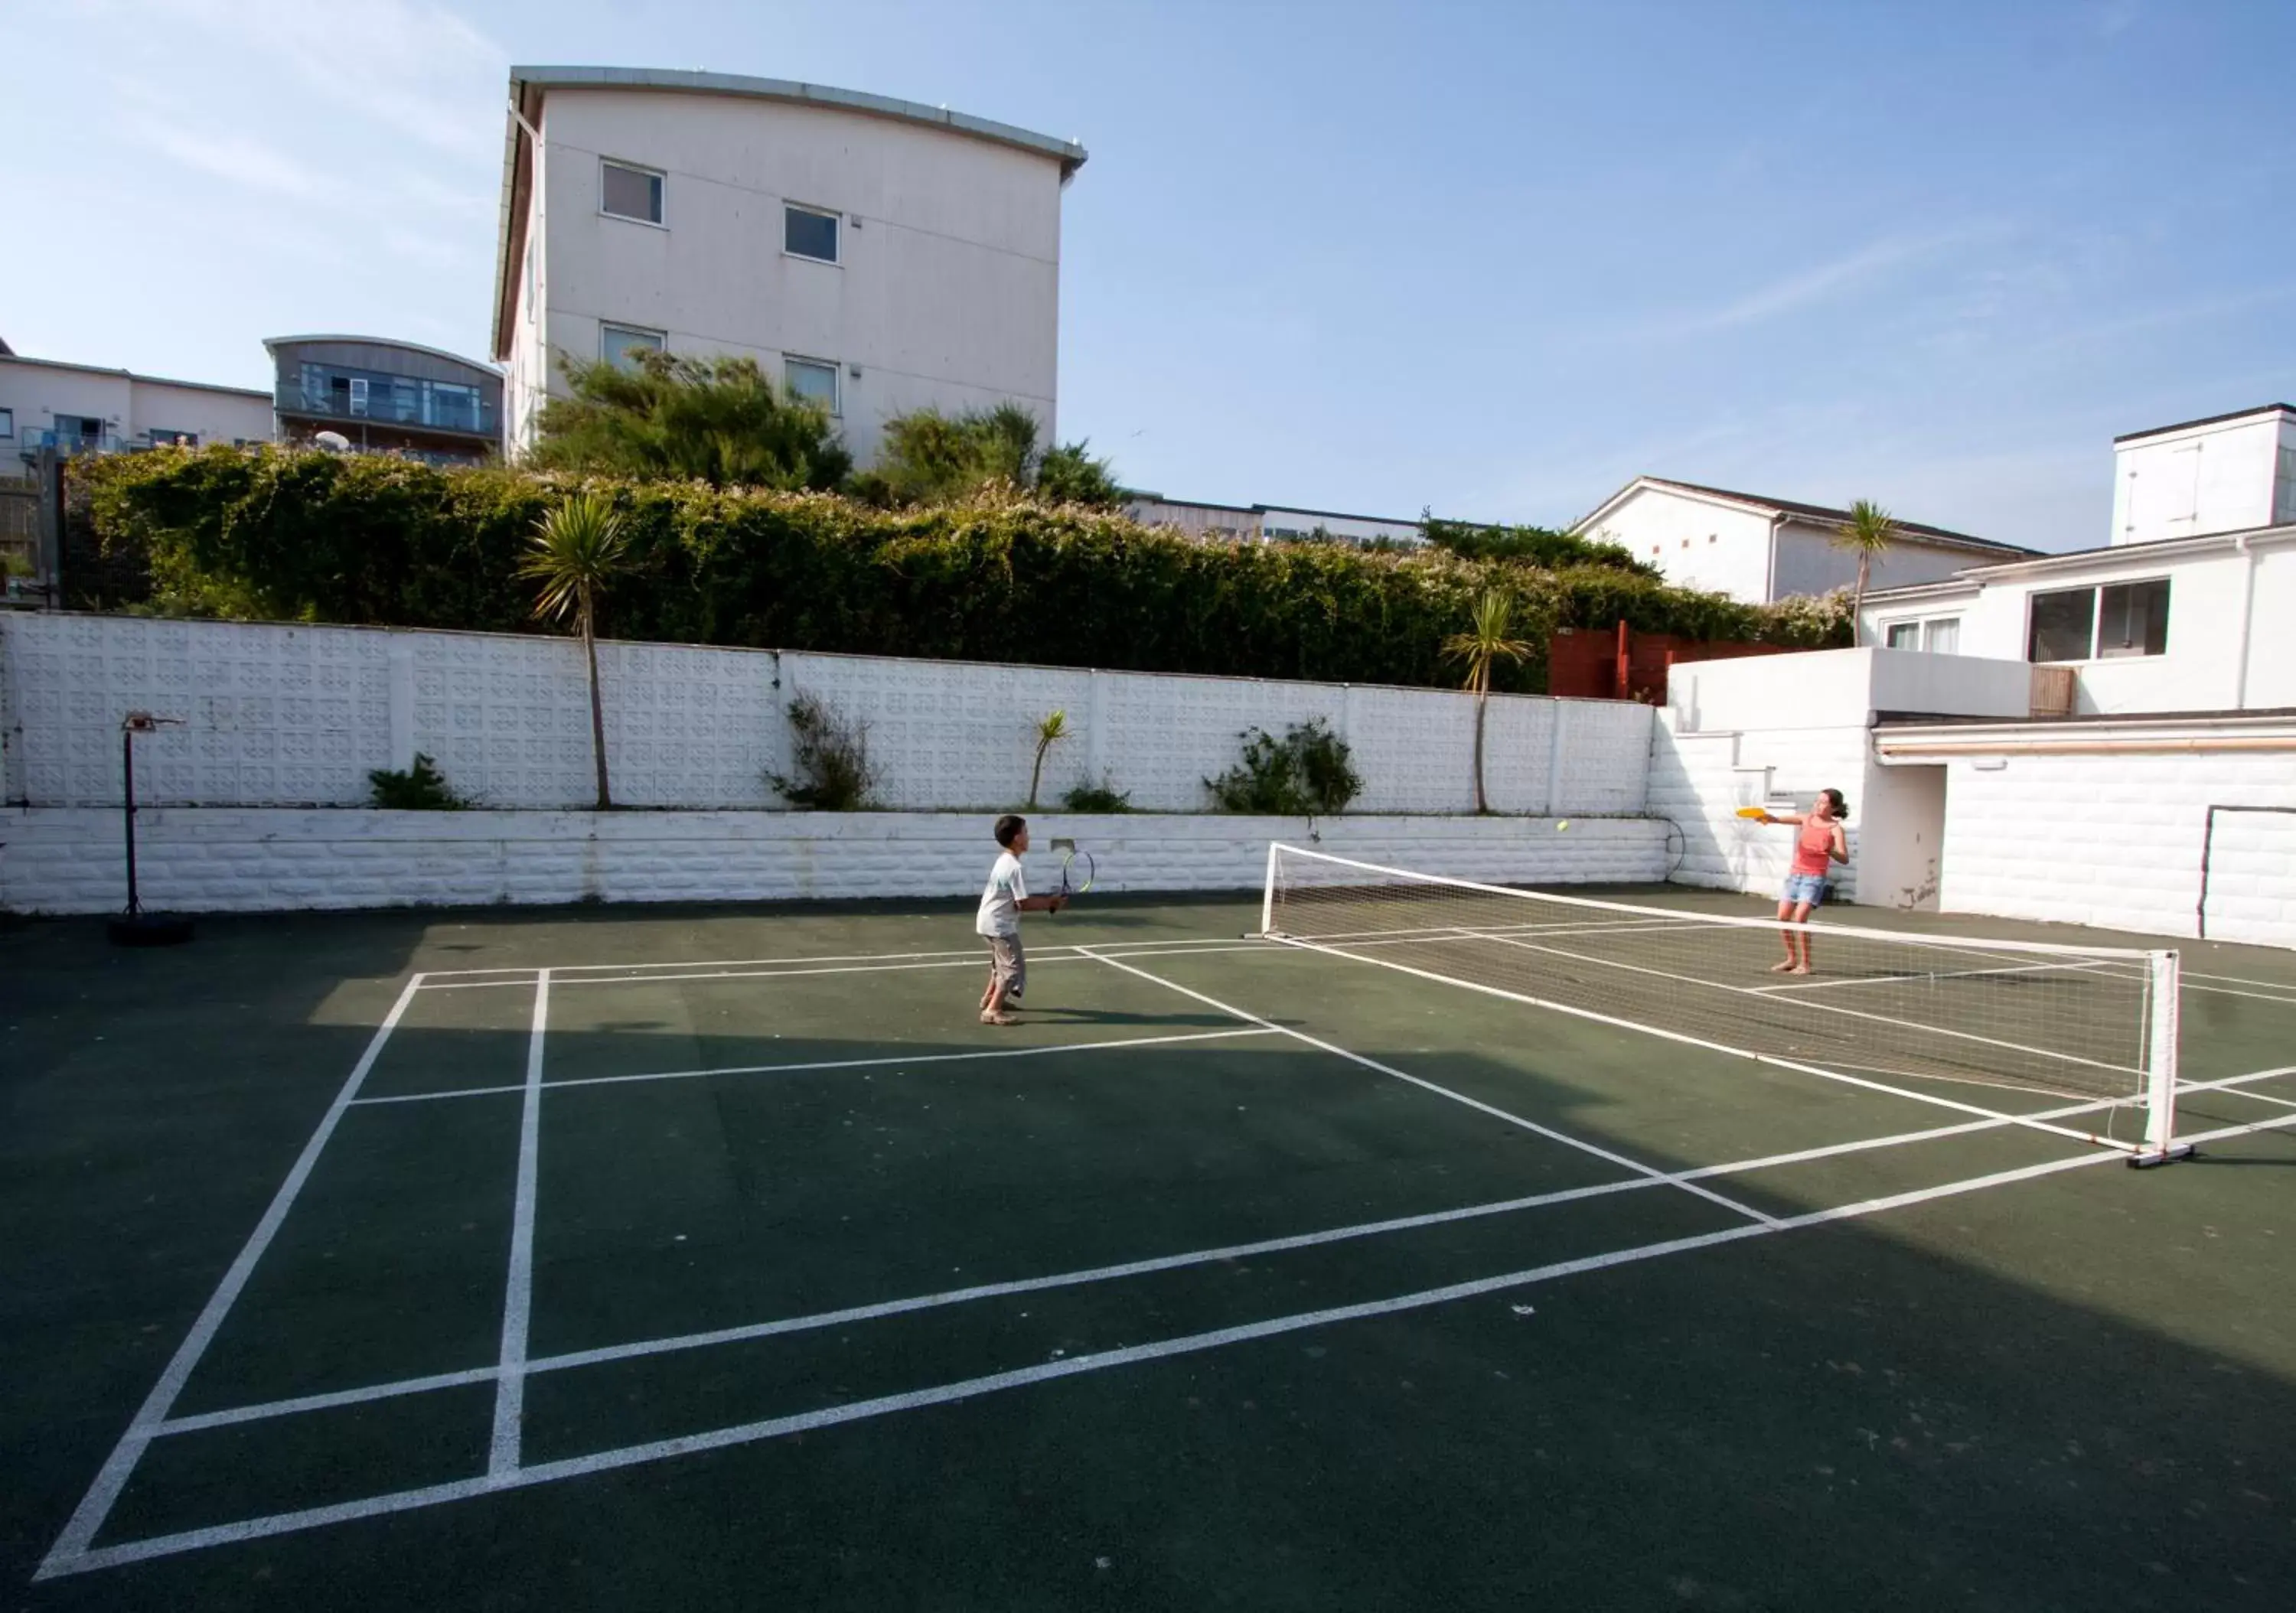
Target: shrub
{"x": 421, "y": 788}
{"x": 366, "y": 540}
{"x": 1103, "y": 797}
{"x": 833, "y": 770}
{"x": 1308, "y": 772}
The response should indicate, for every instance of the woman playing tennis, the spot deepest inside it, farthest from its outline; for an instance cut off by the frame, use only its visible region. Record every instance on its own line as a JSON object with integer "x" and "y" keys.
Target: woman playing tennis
{"x": 1821, "y": 843}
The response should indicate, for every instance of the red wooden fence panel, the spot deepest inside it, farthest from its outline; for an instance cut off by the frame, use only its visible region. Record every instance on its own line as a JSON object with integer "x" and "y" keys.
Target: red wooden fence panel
{"x": 1620, "y": 663}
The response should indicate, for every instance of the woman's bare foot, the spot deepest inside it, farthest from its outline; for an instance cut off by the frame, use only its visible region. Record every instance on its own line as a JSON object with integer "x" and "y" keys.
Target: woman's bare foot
{"x": 1788, "y": 967}
{"x": 993, "y": 1019}
{"x": 1799, "y": 969}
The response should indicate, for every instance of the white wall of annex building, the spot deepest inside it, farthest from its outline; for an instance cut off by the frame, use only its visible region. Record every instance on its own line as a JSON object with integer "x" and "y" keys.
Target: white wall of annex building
{"x": 947, "y": 292}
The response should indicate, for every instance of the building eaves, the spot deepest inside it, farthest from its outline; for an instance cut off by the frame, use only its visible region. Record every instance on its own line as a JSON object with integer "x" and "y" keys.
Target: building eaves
{"x": 2258, "y": 413}
{"x": 157, "y": 381}
{"x": 1831, "y": 516}
{"x": 272, "y": 344}
{"x": 2075, "y": 560}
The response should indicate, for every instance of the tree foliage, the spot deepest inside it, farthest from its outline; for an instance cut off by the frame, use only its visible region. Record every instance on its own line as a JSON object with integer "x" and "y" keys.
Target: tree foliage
{"x": 928, "y": 457}
{"x": 364, "y": 539}
{"x": 713, "y": 420}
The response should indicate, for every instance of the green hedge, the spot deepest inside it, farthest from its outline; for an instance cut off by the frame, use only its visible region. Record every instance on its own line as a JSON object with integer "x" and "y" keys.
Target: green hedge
{"x": 361, "y": 539}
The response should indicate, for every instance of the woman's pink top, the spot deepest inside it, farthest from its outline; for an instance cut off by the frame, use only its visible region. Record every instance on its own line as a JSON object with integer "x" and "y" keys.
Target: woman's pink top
{"x": 1814, "y": 846}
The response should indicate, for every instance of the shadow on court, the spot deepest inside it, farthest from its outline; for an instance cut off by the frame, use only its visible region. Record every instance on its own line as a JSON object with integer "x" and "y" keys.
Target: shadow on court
{"x": 2069, "y": 1391}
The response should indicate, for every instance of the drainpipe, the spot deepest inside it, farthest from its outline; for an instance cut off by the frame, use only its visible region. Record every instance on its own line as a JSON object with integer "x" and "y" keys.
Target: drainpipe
{"x": 1770, "y": 582}
{"x": 2247, "y": 609}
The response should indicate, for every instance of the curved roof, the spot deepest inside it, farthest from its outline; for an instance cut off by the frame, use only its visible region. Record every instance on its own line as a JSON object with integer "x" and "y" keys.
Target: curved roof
{"x": 272, "y": 344}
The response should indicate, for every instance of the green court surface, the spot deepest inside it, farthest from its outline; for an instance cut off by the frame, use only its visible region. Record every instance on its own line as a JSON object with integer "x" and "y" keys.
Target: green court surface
{"x": 667, "y": 1258}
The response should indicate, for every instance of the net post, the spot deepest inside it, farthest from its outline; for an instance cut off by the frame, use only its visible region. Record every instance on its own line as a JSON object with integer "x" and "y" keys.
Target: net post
{"x": 2161, "y": 1144}
{"x": 1268, "y": 891}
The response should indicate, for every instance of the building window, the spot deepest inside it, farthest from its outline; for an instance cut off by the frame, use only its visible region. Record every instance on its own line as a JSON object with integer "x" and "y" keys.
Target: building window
{"x": 806, "y": 233}
{"x": 2132, "y": 618}
{"x": 1938, "y": 635}
{"x": 625, "y": 345}
{"x": 628, "y": 192}
{"x": 160, "y": 437}
{"x": 811, "y": 380}
{"x": 2102, "y": 623}
{"x": 2283, "y": 491}
{"x": 7, "y": 424}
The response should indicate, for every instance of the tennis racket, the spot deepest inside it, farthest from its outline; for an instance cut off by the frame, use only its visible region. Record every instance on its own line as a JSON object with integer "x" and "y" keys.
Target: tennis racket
{"x": 1076, "y": 873}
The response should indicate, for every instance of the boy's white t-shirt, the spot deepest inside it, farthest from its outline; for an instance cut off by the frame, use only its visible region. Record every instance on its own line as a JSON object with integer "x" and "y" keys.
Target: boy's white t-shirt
{"x": 1000, "y": 903}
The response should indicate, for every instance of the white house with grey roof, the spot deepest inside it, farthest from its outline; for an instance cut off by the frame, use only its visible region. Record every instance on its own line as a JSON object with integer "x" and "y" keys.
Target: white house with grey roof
{"x": 875, "y": 255}
{"x": 1757, "y": 548}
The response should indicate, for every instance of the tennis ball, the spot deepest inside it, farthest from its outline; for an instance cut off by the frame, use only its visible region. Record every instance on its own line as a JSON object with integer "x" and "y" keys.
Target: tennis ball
{"x": 1562, "y": 825}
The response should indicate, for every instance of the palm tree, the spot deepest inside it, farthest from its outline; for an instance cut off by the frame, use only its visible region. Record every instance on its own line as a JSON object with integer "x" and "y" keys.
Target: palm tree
{"x": 1481, "y": 650}
{"x": 1050, "y": 729}
{"x": 576, "y": 549}
{"x": 1867, "y": 536}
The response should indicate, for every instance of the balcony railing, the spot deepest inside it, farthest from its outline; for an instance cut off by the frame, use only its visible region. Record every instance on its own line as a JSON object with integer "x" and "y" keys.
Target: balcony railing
{"x": 418, "y": 407}
{"x": 28, "y": 443}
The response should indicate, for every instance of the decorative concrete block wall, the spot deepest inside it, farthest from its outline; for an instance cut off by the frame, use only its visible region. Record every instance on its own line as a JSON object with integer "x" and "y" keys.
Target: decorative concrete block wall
{"x": 59, "y": 860}
{"x": 2114, "y": 840}
{"x": 277, "y": 716}
{"x": 1699, "y": 781}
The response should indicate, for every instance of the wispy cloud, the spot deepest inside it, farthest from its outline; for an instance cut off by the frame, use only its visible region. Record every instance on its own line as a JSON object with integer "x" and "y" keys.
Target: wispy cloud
{"x": 1822, "y": 283}
{"x": 241, "y": 160}
{"x": 417, "y": 67}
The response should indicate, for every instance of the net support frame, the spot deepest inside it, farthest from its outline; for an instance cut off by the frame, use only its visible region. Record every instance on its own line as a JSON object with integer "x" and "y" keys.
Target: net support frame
{"x": 2160, "y": 966}
{"x": 2161, "y": 1144}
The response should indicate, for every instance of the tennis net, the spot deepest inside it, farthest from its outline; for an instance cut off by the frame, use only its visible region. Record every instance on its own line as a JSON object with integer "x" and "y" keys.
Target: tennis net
{"x": 1878, "y": 1005}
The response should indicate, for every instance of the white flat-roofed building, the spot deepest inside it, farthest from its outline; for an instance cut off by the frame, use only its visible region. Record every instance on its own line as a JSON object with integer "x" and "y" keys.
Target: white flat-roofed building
{"x": 2227, "y": 473}
{"x": 88, "y": 409}
{"x": 1756, "y": 548}
{"x": 875, "y": 255}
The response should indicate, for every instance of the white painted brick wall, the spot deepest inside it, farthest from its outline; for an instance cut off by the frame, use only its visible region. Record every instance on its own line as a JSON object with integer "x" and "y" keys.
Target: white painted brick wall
{"x": 1699, "y": 781}
{"x": 294, "y": 716}
{"x": 196, "y": 859}
{"x": 2114, "y": 840}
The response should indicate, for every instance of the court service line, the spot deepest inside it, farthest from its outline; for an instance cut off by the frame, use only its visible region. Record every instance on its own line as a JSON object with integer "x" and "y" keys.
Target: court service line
{"x": 517, "y": 1290}
{"x": 607, "y": 1354}
{"x": 96, "y": 1505}
{"x": 2187, "y": 983}
{"x": 778, "y": 1069}
{"x": 1583, "y": 1146}
{"x": 771, "y": 1428}
{"x": 965, "y": 961}
{"x": 439, "y": 978}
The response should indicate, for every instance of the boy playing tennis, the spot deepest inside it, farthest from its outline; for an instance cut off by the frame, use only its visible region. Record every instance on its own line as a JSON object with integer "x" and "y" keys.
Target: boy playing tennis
{"x": 1002, "y": 904}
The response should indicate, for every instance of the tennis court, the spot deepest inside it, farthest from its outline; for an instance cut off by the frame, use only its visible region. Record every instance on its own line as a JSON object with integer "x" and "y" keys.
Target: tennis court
{"x": 665, "y": 1257}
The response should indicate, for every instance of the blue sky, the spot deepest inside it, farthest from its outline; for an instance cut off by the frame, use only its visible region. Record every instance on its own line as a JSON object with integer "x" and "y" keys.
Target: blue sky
{"x": 1492, "y": 258}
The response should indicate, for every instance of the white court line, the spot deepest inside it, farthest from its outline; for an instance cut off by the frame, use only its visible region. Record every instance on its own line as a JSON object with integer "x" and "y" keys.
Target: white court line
{"x": 2193, "y": 974}
{"x": 749, "y": 1433}
{"x": 2226, "y": 991}
{"x": 1635, "y": 1166}
{"x": 972, "y": 960}
{"x": 1152, "y": 1264}
{"x": 96, "y": 1505}
{"x": 778, "y": 1069}
{"x": 1928, "y": 974}
{"x": 517, "y": 1290}
{"x": 565, "y": 973}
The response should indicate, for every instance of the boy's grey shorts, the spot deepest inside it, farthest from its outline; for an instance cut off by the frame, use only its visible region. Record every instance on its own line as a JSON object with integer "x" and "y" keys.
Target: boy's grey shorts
{"x": 1008, "y": 963}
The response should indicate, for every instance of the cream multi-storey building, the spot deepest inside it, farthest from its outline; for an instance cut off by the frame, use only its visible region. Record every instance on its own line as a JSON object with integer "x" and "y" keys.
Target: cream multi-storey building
{"x": 876, "y": 255}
